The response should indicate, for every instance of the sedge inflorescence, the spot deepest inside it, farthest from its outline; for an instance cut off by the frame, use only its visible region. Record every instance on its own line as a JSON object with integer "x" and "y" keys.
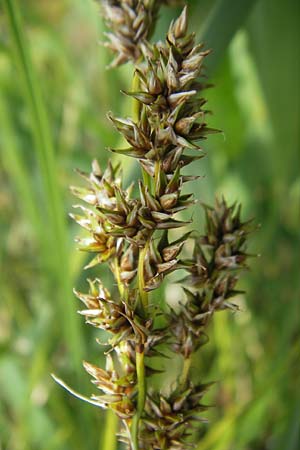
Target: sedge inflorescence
{"x": 133, "y": 235}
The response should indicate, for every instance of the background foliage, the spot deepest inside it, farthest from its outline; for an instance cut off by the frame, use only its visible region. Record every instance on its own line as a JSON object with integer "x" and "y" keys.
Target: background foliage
{"x": 54, "y": 96}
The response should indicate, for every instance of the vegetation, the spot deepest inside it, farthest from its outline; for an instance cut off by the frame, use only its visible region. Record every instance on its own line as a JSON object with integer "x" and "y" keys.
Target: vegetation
{"x": 53, "y": 118}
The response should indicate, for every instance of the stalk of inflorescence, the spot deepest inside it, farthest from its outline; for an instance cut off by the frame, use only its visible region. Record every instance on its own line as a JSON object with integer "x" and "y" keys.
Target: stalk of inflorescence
{"x": 134, "y": 236}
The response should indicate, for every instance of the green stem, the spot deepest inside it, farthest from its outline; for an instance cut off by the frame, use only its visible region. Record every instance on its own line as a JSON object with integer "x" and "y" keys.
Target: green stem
{"x": 116, "y": 272}
{"x": 140, "y": 368}
{"x": 109, "y": 441}
{"x": 185, "y": 370}
{"x": 141, "y": 383}
{"x": 156, "y": 184}
{"x": 134, "y": 433}
{"x": 140, "y": 356}
{"x": 141, "y": 280}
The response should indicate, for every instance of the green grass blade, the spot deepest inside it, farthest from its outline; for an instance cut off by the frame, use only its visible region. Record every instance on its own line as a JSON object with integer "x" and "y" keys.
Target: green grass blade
{"x": 277, "y": 60}
{"x": 226, "y": 17}
{"x": 56, "y": 230}
{"x": 16, "y": 170}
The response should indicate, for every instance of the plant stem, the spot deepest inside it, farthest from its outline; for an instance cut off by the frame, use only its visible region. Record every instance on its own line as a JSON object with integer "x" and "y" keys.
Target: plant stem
{"x": 141, "y": 382}
{"x": 156, "y": 184}
{"x": 134, "y": 433}
{"x": 141, "y": 281}
{"x": 140, "y": 356}
{"x": 109, "y": 441}
{"x": 116, "y": 272}
{"x": 185, "y": 370}
{"x": 140, "y": 368}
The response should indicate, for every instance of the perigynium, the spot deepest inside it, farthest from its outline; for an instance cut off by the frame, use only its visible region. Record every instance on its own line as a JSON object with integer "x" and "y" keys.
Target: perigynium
{"x": 131, "y": 234}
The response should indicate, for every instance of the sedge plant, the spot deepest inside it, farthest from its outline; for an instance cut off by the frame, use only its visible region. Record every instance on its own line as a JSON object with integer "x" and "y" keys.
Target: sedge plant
{"x": 132, "y": 232}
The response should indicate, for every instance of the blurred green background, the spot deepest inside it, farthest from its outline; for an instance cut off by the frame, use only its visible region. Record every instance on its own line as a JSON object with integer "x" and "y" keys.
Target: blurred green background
{"x": 54, "y": 95}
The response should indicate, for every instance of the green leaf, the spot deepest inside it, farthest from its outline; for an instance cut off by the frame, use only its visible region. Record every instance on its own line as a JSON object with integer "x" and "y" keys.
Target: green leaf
{"x": 45, "y": 155}
{"x": 225, "y": 18}
{"x": 277, "y": 60}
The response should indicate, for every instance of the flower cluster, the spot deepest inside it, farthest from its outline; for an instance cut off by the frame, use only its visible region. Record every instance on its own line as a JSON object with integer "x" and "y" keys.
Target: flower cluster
{"x": 172, "y": 114}
{"x": 169, "y": 421}
{"x": 219, "y": 255}
{"x": 131, "y": 233}
{"x": 131, "y": 23}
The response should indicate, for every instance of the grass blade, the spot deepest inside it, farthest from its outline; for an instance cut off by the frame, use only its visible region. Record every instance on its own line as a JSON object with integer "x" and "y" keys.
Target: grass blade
{"x": 47, "y": 164}
{"x": 226, "y": 17}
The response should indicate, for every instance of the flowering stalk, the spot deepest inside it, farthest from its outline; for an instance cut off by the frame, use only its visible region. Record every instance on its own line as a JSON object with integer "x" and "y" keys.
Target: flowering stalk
{"x": 132, "y": 235}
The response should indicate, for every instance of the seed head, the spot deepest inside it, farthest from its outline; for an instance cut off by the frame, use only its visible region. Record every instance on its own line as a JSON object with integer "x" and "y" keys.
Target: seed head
{"x": 131, "y": 230}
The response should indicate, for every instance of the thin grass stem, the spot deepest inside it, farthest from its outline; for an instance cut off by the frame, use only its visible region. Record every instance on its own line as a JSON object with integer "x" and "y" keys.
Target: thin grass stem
{"x": 185, "y": 370}
{"x": 141, "y": 280}
{"x": 109, "y": 441}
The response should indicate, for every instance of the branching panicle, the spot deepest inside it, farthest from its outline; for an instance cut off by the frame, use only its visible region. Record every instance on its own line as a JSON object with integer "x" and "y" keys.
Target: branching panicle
{"x": 132, "y": 235}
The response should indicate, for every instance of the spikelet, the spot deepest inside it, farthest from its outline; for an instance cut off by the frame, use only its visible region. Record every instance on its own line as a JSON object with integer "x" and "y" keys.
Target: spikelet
{"x": 131, "y": 23}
